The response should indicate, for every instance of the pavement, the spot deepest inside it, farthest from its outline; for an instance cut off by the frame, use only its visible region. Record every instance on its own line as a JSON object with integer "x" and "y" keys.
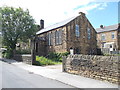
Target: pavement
{"x": 55, "y": 72}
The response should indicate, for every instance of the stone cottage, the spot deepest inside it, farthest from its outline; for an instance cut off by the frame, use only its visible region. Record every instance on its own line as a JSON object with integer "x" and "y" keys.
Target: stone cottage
{"x": 75, "y": 33}
{"x": 108, "y": 38}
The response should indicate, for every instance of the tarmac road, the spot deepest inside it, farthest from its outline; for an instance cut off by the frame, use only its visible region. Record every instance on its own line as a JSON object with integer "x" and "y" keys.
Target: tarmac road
{"x": 14, "y": 77}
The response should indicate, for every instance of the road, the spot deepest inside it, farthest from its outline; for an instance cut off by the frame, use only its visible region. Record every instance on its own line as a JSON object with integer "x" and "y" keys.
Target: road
{"x": 14, "y": 77}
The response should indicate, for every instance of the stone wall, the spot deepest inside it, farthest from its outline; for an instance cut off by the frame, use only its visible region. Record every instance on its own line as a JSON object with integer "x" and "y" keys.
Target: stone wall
{"x": 46, "y": 48}
{"x": 81, "y": 44}
{"x": 25, "y": 58}
{"x": 103, "y": 68}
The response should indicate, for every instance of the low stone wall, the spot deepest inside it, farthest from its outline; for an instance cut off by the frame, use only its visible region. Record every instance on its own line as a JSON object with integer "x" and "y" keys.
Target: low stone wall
{"x": 103, "y": 68}
{"x": 26, "y": 58}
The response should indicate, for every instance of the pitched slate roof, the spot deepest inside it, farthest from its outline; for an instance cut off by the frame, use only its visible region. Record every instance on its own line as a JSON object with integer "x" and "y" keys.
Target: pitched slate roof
{"x": 107, "y": 28}
{"x": 56, "y": 25}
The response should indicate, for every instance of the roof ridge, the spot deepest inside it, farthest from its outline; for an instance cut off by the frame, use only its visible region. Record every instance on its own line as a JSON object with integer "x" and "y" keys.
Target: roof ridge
{"x": 56, "y": 25}
{"x": 107, "y": 28}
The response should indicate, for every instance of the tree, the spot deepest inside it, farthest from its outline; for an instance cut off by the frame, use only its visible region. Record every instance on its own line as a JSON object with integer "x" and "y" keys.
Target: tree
{"x": 16, "y": 24}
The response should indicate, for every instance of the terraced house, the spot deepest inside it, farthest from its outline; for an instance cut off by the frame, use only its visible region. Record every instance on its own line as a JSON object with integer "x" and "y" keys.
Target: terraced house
{"x": 108, "y": 38}
{"x": 75, "y": 33}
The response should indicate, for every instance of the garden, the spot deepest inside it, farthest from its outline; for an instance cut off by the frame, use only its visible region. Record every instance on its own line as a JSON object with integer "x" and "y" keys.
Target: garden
{"x": 50, "y": 59}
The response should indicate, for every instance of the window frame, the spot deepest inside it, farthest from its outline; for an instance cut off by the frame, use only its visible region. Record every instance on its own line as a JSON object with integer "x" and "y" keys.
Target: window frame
{"x": 77, "y": 30}
{"x": 50, "y": 39}
{"x": 113, "y": 34}
{"x": 103, "y": 35}
{"x": 88, "y": 33}
{"x": 58, "y": 37}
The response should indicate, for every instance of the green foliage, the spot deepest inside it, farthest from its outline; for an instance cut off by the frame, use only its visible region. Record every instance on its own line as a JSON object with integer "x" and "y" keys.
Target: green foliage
{"x": 44, "y": 61}
{"x": 16, "y": 24}
{"x": 8, "y": 53}
{"x": 23, "y": 51}
{"x": 106, "y": 54}
{"x": 57, "y": 56}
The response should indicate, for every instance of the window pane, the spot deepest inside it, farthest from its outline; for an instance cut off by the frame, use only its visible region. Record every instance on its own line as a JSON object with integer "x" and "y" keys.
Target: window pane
{"x": 89, "y": 33}
{"x": 77, "y": 32}
{"x": 56, "y": 37}
{"x": 103, "y": 37}
{"x": 113, "y": 35}
{"x": 49, "y": 39}
{"x": 60, "y": 37}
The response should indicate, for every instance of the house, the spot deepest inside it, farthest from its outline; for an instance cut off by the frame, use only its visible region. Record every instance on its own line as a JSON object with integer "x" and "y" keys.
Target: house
{"x": 108, "y": 39}
{"x": 75, "y": 33}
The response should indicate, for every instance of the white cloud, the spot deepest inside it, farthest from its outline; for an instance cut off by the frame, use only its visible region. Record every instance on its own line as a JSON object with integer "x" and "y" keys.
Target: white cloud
{"x": 103, "y": 6}
{"x": 106, "y": 0}
{"x": 87, "y": 8}
{"x": 51, "y": 11}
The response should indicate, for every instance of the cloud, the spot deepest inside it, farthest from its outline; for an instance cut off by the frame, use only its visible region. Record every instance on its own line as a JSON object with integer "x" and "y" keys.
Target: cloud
{"x": 87, "y": 8}
{"x": 52, "y": 11}
{"x": 106, "y": 0}
{"x": 103, "y": 6}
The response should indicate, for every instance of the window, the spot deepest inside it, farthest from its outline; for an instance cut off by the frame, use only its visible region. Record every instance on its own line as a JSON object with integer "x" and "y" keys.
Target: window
{"x": 103, "y": 37}
{"x": 58, "y": 37}
{"x": 89, "y": 33}
{"x": 110, "y": 46}
{"x": 103, "y": 44}
{"x": 119, "y": 35}
{"x": 112, "y": 35}
{"x": 77, "y": 32}
{"x": 50, "y": 39}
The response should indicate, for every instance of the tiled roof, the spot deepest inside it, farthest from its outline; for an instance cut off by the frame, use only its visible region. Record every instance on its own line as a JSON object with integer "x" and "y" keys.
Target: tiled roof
{"x": 107, "y": 28}
{"x": 56, "y": 25}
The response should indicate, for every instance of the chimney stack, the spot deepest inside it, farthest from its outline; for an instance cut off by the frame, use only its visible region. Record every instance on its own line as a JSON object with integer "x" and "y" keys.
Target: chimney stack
{"x": 81, "y": 13}
{"x": 41, "y": 24}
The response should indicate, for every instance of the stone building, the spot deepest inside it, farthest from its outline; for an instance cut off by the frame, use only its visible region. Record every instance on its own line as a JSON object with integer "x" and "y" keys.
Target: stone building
{"x": 75, "y": 33}
{"x": 108, "y": 38}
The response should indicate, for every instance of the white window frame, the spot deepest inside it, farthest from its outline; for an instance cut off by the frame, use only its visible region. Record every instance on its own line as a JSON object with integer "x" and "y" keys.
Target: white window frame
{"x": 103, "y": 35}
{"x": 113, "y": 34}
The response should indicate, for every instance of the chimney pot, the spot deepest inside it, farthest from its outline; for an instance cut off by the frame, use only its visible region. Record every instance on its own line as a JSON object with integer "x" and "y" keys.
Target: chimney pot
{"x": 101, "y": 26}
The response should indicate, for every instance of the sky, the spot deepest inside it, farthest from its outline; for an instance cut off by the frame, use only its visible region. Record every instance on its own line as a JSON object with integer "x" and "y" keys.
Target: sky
{"x": 98, "y": 12}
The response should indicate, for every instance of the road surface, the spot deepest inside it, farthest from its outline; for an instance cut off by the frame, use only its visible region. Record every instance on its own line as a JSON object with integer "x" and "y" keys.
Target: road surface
{"x": 14, "y": 77}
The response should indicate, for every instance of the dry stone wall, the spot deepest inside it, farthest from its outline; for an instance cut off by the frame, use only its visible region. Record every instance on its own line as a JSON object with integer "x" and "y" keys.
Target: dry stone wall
{"x": 105, "y": 68}
{"x": 24, "y": 58}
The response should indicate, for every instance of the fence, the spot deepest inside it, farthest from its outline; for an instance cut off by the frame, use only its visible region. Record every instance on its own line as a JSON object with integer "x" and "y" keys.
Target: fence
{"x": 107, "y": 51}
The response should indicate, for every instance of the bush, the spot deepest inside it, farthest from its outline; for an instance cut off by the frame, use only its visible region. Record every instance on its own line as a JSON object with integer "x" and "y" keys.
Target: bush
{"x": 57, "y": 56}
{"x": 23, "y": 51}
{"x": 8, "y": 54}
{"x": 44, "y": 61}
